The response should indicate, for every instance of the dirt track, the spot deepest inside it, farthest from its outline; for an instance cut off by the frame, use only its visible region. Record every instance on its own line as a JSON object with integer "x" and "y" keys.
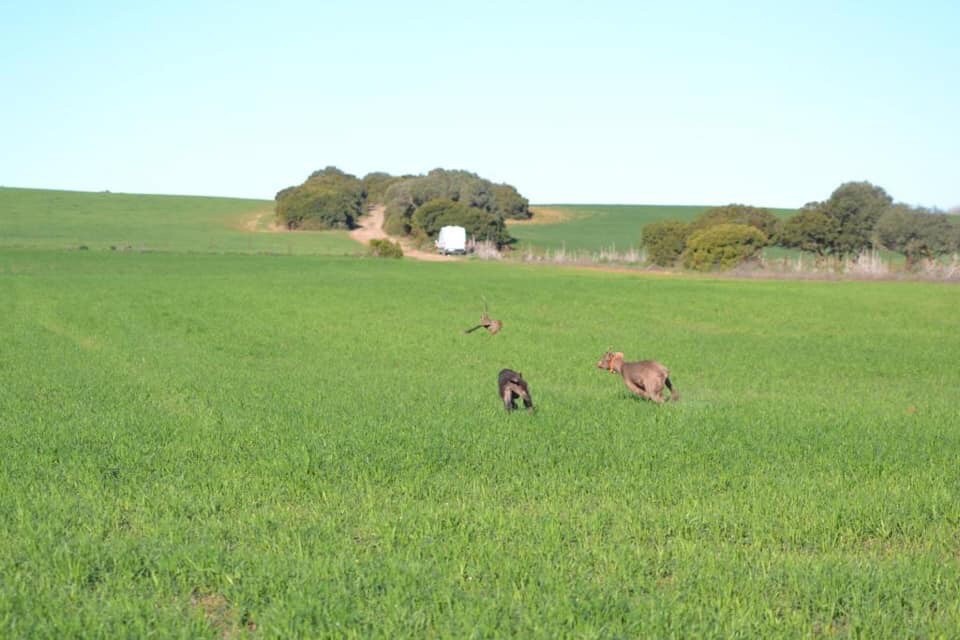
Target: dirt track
{"x": 371, "y": 227}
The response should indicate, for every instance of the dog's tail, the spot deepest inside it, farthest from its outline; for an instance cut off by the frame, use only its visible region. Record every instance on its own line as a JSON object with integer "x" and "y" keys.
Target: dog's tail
{"x": 674, "y": 393}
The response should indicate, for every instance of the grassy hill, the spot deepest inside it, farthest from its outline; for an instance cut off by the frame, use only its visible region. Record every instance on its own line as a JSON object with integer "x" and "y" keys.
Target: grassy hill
{"x": 41, "y": 218}
{"x": 596, "y": 227}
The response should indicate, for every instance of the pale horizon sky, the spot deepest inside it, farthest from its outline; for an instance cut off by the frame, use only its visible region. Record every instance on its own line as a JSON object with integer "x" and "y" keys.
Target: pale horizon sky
{"x": 769, "y": 104}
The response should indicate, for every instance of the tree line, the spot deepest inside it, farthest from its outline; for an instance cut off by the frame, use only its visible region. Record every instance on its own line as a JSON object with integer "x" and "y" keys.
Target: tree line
{"x": 415, "y": 205}
{"x": 857, "y": 216}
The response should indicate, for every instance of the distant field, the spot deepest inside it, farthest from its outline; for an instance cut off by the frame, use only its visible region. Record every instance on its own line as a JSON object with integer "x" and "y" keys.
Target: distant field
{"x": 226, "y": 446}
{"x": 40, "y": 218}
{"x": 596, "y": 227}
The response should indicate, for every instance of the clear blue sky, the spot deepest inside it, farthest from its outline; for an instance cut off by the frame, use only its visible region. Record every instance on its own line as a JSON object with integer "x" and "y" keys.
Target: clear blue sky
{"x": 766, "y": 103}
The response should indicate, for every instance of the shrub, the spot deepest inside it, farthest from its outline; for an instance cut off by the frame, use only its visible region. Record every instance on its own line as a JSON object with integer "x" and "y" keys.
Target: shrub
{"x": 665, "y": 241}
{"x": 723, "y": 246}
{"x": 384, "y": 248}
{"x": 480, "y": 224}
{"x": 494, "y": 202}
{"x": 762, "y": 219}
{"x": 809, "y": 230}
{"x": 395, "y": 224}
{"x": 508, "y": 203}
{"x": 375, "y": 186}
{"x": 853, "y": 210}
{"x": 435, "y": 214}
{"x": 916, "y": 233}
{"x": 328, "y": 199}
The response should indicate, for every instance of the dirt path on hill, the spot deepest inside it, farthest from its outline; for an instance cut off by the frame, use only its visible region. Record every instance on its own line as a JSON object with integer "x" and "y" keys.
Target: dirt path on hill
{"x": 371, "y": 227}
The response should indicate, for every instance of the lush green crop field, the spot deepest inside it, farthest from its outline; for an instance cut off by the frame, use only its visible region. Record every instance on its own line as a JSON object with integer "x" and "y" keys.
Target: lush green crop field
{"x": 294, "y": 446}
{"x": 40, "y": 218}
{"x": 596, "y": 227}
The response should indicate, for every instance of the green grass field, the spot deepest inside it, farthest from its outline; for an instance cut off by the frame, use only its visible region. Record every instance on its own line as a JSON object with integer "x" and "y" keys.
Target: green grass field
{"x": 283, "y": 446}
{"x": 596, "y": 227}
{"x": 38, "y": 218}
{"x": 213, "y": 440}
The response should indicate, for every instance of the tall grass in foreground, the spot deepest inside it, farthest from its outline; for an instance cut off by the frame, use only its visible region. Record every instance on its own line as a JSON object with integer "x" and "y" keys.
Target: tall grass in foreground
{"x": 232, "y": 446}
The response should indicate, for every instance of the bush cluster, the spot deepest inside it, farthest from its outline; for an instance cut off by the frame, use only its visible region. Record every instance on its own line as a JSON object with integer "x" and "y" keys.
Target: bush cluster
{"x": 917, "y": 233}
{"x": 856, "y": 216}
{"x": 859, "y": 216}
{"x": 721, "y": 237}
{"x": 482, "y": 206}
{"x": 481, "y": 225}
{"x": 384, "y": 248}
{"x": 415, "y": 205}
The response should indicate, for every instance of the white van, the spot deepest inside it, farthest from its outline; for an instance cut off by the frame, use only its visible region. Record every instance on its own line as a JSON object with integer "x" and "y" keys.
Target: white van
{"x": 452, "y": 240}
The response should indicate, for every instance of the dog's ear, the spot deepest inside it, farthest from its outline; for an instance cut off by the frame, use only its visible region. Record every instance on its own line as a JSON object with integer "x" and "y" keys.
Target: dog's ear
{"x": 616, "y": 357}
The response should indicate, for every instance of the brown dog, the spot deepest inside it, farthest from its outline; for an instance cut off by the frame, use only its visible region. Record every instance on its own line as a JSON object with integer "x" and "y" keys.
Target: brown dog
{"x": 645, "y": 378}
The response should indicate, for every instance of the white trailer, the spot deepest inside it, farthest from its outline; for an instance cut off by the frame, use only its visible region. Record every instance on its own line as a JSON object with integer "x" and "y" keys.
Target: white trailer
{"x": 452, "y": 239}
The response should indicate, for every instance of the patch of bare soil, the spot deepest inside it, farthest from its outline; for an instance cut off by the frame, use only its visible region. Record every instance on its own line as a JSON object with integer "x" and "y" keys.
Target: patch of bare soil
{"x": 220, "y": 614}
{"x": 371, "y": 228}
{"x": 543, "y": 215}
